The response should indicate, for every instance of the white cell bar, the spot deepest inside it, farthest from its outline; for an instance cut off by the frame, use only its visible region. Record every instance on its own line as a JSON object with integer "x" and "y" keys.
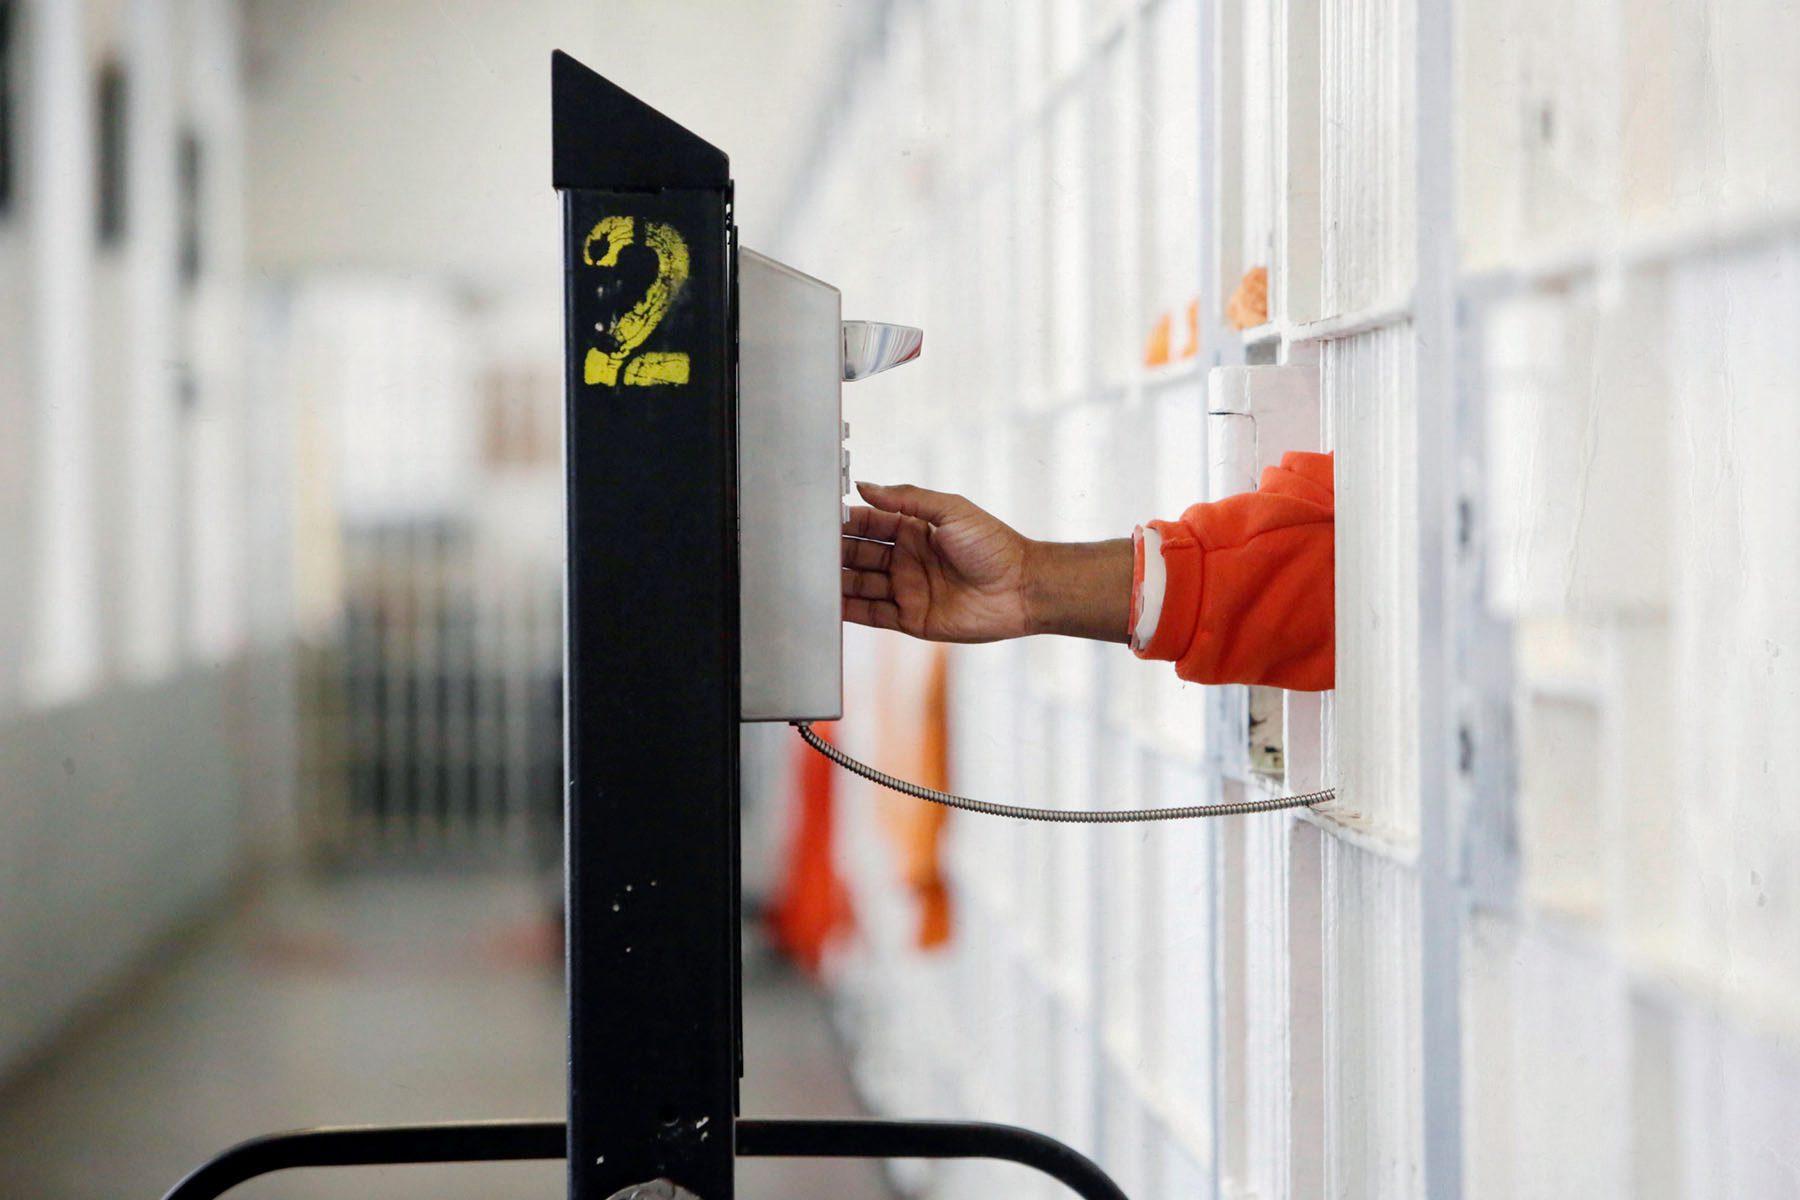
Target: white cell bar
{"x": 1367, "y": 384}
{"x": 1367, "y": 117}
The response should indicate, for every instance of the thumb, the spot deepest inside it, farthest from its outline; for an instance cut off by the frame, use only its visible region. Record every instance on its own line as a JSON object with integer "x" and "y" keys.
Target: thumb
{"x": 934, "y": 507}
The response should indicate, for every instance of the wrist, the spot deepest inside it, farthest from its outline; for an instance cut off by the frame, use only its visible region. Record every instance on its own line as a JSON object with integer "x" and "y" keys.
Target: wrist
{"x": 1079, "y": 589}
{"x": 1037, "y": 588}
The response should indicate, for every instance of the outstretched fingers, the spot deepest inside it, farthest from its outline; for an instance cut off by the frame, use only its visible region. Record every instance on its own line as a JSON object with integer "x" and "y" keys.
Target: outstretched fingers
{"x": 926, "y": 505}
{"x": 873, "y": 524}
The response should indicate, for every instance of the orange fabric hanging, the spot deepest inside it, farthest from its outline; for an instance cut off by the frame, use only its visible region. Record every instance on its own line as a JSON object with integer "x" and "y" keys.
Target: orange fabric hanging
{"x": 915, "y": 744}
{"x": 811, "y": 909}
{"x": 1193, "y": 329}
{"x": 1249, "y": 305}
{"x": 923, "y": 835}
{"x": 1159, "y": 347}
{"x": 1156, "y": 346}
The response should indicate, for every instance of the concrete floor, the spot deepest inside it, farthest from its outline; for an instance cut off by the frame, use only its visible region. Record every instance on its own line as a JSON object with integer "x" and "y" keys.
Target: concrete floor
{"x": 369, "y": 999}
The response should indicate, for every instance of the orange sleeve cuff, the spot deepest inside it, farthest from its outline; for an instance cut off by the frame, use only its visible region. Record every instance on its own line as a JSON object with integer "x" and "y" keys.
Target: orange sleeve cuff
{"x": 1248, "y": 594}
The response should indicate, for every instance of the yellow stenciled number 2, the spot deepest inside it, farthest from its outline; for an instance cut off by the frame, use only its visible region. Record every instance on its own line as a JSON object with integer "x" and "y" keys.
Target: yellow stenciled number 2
{"x": 632, "y": 328}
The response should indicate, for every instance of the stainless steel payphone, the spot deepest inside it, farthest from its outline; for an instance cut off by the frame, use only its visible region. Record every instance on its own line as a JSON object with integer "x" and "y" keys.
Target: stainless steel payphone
{"x": 794, "y": 353}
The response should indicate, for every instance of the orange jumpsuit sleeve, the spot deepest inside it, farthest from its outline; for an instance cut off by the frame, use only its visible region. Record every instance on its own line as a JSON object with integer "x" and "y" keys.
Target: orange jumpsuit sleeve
{"x": 1244, "y": 593}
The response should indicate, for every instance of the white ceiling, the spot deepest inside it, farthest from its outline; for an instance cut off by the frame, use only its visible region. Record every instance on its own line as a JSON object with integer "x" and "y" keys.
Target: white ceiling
{"x": 413, "y": 135}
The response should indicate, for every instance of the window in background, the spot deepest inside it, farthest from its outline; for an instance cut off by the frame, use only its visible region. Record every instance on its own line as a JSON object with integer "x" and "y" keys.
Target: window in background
{"x": 110, "y": 145}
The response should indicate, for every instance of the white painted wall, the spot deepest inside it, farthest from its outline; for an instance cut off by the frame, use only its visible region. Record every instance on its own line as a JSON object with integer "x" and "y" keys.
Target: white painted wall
{"x": 64, "y": 634}
{"x": 17, "y": 396}
{"x": 140, "y": 723}
{"x": 1544, "y": 260}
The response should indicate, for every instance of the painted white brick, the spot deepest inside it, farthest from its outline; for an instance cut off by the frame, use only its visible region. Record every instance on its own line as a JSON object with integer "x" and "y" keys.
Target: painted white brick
{"x": 1069, "y": 191}
{"x": 1033, "y": 254}
{"x": 1070, "y": 866}
{"x": 1625, "y": 214}
{"x": 1540, "y": 130}
{"x": 1247, "y": 154}
{"x": 1560, "y": 752}
{"x": 1170, "y": 132}
{"x": 1740, "y": 1101}
{"x": 1736, "y": 624}
{"x": 1125, "y": 892}
{"x": 1533, "y": 450}
{"x": 1184, "y": 1015}
{"x": 1639, "y": 822}
{"x": 1579, "y": 450}
{"x": 1121, "y": 309}
{"x": 1546, "y": 1039}
{"x": 1733, "y": 155}
{"x": 1372, "y": 1048}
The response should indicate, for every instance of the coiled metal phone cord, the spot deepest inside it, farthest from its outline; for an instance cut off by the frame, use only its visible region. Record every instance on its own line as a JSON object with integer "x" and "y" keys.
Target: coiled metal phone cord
{"x": 1076, "y": 816}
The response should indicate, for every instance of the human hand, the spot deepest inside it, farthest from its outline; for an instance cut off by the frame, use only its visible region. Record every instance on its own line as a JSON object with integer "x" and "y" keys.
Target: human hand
{"x": 933, "y": 565}
{"x": 937, "y": 567}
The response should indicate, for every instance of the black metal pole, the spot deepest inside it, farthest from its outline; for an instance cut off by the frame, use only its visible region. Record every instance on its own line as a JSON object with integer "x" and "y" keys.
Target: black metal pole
{"x": 651, "y": 668}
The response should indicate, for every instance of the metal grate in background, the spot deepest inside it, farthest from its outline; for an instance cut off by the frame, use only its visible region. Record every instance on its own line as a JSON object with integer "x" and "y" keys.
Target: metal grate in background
{"x": 429, "y": 539}
{"x": 453, "y": 694}
{"x": 435, "y": 721}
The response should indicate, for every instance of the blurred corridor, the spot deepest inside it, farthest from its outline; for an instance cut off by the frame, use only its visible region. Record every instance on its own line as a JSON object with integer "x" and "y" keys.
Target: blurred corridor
{"x": 280, "y": 513}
